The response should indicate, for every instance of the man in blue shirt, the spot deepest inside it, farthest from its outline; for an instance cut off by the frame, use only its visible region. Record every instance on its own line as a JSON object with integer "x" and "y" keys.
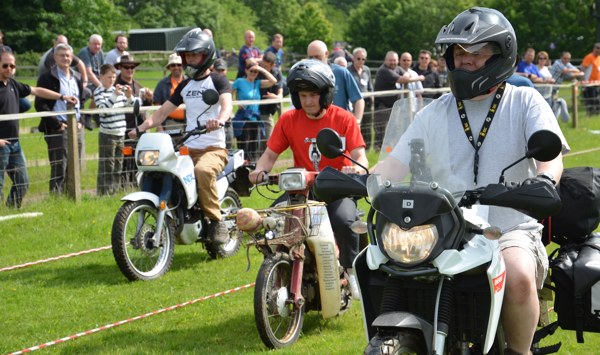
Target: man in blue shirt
{"x": 275, "y": 48}
{"x": 346, "y": 89}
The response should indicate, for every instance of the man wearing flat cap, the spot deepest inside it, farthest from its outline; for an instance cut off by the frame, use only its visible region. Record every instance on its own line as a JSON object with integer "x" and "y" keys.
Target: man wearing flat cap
{"x": 165, "y": 88}
{"x": 127, "y": 66}
{"x": 220, "y": 66}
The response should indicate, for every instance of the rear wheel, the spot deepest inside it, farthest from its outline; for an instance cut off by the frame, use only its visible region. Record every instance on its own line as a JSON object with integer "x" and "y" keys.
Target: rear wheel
{"x": 230, "y": 204}
{"x": 138, "y": 255}
{"x": 278, "y": 319}
{"x": 399, "y": 343}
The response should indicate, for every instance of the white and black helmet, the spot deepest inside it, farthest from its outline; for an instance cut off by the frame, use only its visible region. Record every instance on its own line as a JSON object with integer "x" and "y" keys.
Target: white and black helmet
{"x": 196, "y": 41}
{"x": 311, "y": 75}
{"x": 474, "y": 26}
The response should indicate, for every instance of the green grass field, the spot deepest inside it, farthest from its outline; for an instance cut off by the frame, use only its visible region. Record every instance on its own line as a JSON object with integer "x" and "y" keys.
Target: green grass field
{"x": 52, "y": 300}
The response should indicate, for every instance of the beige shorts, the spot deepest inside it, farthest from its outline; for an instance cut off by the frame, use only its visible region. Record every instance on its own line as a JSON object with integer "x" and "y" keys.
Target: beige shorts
{"x": 531, "y": 242}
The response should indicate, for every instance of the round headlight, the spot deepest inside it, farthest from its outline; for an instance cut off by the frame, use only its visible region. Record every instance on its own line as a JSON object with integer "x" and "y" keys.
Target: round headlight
{"x": 148, "y": 157}
{"x": 409, "y": 246}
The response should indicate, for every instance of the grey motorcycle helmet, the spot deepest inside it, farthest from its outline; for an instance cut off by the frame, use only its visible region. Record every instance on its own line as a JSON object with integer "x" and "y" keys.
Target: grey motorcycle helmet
{"x": 474, "y": 26}
{"x": 196, "y": 41}
{"x": 311, "y": 75}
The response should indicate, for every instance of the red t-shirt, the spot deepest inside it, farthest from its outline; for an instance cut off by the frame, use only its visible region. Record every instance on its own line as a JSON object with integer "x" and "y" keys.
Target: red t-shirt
{"x": 294, "y": 127}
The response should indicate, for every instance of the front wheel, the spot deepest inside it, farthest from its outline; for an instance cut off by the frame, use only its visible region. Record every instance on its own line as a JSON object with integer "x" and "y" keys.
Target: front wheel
{"x": 278, "y": 319}
{"x": 399, "y": 343}
{"x": 230, "y": 204}
{"x": 137, "y": 253}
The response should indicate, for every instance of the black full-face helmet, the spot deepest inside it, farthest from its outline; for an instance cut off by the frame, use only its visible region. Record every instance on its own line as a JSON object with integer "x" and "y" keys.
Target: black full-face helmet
{"x": 314, "y": 76}
{"x": 196, "y": 41}
{"x": 479, "y": 25}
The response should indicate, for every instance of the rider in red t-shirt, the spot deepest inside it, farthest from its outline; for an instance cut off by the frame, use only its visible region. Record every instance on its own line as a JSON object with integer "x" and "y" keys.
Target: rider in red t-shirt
{"x": 312, "y": 84}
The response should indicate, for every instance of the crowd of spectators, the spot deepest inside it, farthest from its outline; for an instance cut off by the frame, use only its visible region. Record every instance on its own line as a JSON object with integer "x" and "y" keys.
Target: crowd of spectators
{"x": 259, "y": 76}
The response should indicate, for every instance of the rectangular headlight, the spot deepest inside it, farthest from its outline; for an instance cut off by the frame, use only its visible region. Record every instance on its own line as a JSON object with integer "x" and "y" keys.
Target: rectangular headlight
{"x": 148, "y": 157}
{"x": 409, "y": 246}
{"x": 292, "y": 180}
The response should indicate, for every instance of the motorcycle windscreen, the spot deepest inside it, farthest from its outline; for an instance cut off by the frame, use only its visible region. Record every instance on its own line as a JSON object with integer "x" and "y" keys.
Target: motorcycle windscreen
{"x": 416, "y": 148}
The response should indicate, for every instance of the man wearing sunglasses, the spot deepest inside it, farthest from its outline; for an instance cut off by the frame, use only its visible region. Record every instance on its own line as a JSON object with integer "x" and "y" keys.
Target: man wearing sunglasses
{"x": 127, "y": 65}
{"x": 12, "y": 159}
{"x": 166, "y": 87}
{"x": 362, "y": 76}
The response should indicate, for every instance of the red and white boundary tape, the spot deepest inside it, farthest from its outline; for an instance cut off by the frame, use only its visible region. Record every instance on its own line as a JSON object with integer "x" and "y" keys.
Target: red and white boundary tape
{"x": 21, "y": 215}
{"x": 112, "y": 325}
{"x": 55, "y": 258}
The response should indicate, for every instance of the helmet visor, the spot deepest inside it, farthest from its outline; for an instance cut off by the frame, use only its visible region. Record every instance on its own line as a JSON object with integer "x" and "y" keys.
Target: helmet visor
{"x": 483, "y": 48}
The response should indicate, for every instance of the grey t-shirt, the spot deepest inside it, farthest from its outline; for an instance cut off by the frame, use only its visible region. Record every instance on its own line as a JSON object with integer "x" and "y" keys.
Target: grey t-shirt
{"x": 520, "y": 113}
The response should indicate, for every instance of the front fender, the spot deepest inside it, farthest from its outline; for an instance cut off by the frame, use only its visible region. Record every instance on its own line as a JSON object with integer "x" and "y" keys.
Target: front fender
{"x": 406, "y": 320}
{"x": 142, "y": 195}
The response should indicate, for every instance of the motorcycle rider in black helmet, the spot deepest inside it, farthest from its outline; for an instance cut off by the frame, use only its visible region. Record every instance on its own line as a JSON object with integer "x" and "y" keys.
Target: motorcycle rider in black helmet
{"x": 480, "y": 48}
{"x": 208, "y": 151}
{"x": 312, "y": 85}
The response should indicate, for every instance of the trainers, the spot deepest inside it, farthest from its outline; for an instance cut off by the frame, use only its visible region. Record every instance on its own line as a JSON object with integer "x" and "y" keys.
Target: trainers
{"x": 217, "y": 232}
{"x": 353, "y": 284}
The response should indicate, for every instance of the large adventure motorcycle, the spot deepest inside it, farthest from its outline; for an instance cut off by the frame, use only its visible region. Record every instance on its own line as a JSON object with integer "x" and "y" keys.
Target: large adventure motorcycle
{"x": 432, "y": 280}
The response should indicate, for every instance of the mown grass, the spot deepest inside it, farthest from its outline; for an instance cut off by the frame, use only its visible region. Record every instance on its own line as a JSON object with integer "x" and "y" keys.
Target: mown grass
{"x": 52, "y": 300}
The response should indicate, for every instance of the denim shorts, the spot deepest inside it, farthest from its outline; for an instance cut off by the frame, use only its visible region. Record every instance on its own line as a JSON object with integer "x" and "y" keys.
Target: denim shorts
{"x": 531, "y": 242}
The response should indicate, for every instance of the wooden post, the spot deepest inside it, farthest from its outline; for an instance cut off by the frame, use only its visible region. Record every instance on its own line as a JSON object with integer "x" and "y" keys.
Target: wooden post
{"x": 574, "y": 114}
{"x": 73, "y": 168}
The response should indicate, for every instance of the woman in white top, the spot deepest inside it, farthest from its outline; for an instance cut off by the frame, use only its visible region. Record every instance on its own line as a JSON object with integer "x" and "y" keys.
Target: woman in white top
{"x": 558, "y": 104}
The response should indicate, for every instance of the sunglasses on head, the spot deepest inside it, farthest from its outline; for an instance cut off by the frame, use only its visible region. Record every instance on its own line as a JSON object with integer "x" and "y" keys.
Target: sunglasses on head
{"x": 6, "y": 65}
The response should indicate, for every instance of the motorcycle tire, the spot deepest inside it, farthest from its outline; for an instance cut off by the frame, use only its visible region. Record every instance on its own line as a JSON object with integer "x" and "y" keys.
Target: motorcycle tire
{"x": 402, "y": 342}
{"x": 134, "y": 251}
{"x": 230, "y": 204}
{"x": 278, "y": 319}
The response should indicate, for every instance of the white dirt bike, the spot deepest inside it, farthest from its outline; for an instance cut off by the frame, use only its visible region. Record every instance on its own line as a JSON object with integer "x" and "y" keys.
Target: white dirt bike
{"x": 165, "y": 211}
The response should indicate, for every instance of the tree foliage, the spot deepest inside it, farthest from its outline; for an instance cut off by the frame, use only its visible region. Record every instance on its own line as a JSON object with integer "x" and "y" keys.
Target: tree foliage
{"x": 552, "y": 25}
{"x": 34, "y": 24}
{"x": 309, "y": 24}
{"x": 377, "y": 25}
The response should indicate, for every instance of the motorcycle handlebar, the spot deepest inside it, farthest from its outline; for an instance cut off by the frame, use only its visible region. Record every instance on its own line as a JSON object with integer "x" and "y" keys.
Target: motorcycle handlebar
{"x": 194, "y": 132}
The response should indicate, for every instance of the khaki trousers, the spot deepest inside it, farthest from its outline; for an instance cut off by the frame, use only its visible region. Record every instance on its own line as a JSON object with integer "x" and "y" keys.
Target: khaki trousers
{"x": 208, "y": 163}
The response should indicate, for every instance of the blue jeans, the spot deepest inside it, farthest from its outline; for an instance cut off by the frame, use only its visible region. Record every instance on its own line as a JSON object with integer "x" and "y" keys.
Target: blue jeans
{"x": 12, "y": 160}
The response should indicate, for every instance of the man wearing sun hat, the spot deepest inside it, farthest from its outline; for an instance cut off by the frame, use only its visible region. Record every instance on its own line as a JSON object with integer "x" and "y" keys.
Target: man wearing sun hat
{"x": 165, "y": 88}
{"x": 127, "y": 65}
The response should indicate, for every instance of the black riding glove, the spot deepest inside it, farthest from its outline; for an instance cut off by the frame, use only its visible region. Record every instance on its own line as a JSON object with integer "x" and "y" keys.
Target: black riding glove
{"x": 540, "y": 178}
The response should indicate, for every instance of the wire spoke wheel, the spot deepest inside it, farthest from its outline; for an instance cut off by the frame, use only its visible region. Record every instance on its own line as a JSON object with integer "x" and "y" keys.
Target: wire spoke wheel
{"x": 403, "y": 342}
{"x": 140, "y": 254}
{"x": 278, "y": 319}
{"x": 230, "y": 204}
